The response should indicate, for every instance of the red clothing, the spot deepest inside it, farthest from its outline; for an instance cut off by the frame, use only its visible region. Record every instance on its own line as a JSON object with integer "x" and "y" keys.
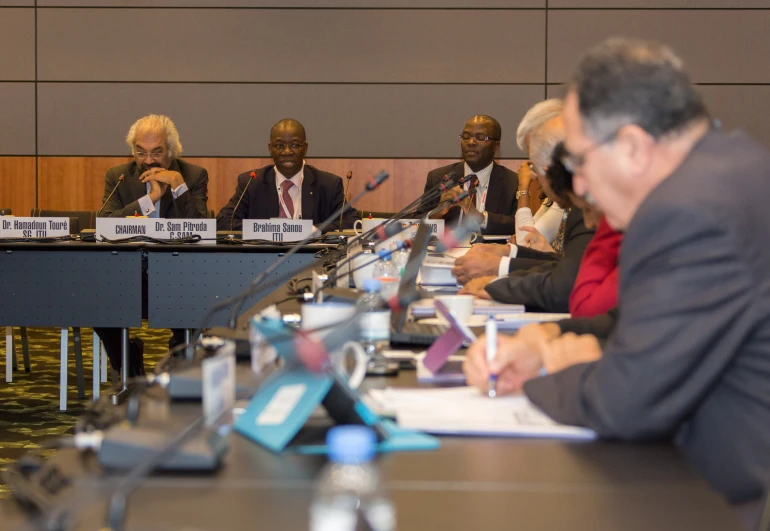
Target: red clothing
{"x": 596, "y": 286}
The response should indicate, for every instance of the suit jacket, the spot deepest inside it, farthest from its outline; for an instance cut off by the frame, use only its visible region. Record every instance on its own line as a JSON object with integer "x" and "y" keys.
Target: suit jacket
{"x": 689, "y": 357}
{"x": 546, "y": 287}
{"x": 125, "y": 201}
{"x": 322, "y": 195}
{"x": 501, "y": 196}
{"x": 600, "y": 326}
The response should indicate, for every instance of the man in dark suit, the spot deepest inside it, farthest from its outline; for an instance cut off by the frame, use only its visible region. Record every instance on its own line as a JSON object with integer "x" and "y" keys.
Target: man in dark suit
{"x": 289, "y": 188}
{"x": 688, "y": 358}
{"x": 156, "y": 184}
{"x": 496, "y": 197}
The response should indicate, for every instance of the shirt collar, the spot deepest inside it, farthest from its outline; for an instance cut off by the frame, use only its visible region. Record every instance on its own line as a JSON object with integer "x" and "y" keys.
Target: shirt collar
{"x": 483, "y": 175}
{"x": 296, "y": 179}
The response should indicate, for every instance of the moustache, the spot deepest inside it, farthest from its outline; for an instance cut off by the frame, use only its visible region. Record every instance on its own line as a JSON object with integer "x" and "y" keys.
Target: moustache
{"x": 146, "y": 167}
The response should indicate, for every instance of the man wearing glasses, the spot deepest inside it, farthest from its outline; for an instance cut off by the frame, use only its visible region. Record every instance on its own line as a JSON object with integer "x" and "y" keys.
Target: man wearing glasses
{"x": 288, "y": 188}
{"x": 496, "y": 193}
{"x": 157, "y": 183}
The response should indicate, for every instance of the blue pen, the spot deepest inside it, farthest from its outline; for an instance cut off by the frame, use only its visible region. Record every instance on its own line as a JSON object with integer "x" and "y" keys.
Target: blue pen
{"x": 491, "y": 333}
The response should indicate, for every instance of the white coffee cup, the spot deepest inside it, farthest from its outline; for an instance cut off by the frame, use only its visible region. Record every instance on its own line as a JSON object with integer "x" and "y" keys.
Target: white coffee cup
{"x": 363, "y": 266}
{"x": 366, "y": 225}
{"x": 340, "y": 360}
{"x": 460, "y": 306}
{"x": 325, "y": 314}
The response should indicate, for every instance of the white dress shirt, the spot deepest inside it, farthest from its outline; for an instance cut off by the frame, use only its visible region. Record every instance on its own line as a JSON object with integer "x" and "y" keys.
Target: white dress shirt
{"x": 546, "y": 220}
{"x": 481, "y": 191}
{"x": 295, "y": 192}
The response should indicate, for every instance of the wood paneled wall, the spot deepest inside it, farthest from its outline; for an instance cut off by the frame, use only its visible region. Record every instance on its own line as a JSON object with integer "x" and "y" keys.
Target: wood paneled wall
{"x": 77, "y": 183}
{"x": 17, "y": 184}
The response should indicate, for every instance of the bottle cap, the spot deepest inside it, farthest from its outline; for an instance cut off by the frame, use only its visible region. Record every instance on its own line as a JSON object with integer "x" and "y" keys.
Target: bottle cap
{"x": 372, "y": 285}
{"x": 351, "y": 445}
{"x": 384, "y": 254}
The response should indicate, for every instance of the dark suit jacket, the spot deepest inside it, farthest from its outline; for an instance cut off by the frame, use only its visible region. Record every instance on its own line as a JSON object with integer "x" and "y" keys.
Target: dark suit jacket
{"x": 322, "y": 195}
{"x": 600, "y": 326}
{"x": 546, "y": 287}
{"x": 689, "y": 358}
{"x": 501, "y": 196}
{"x": 125, "y": 201}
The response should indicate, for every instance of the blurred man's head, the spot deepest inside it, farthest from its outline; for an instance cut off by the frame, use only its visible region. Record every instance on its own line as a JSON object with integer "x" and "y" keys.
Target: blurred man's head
{"x": 630, "y": 118}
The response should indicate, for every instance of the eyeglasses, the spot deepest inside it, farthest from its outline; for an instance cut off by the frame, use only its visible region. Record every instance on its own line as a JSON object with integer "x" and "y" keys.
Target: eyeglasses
{"x": 155, "y": 154}
{"x": 479, "y": 137}
{"x": 574, "y": 161}
{"x": 294, "y": 146}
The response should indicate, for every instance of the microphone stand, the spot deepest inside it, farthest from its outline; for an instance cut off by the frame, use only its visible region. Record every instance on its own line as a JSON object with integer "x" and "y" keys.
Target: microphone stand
{"x": 348, "y": 176}
{"x": 120, "y": 180}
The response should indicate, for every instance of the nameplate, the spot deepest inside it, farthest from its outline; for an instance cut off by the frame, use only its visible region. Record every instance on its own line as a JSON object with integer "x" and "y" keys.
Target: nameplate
{"x": 219, "y": 383}
{"x": 184, "y": 228}
{"x": 277, "y": 230}
{"x": 166, "y": 229}
{"x": 436, "y": 227}
{"x": 13, "y": 227}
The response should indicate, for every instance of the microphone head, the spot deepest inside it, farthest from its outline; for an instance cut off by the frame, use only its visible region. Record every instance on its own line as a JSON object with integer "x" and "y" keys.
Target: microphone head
{"x": 462, "y": 195}
{"x": 120, "y": 179}
{"x": 311, "y": 353}
{"x": 377, "y": 180}
{"x": 469, "y": 225}
{"x": 386, "y": 231}
{"x": 451, "y": 176}
{"x": 349, "y": 175}
{"x": 253, "y": 175}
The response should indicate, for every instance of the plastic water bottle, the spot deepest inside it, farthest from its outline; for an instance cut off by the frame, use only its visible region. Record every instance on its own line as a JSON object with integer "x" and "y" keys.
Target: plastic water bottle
{"x": 349, "y": 488}
{"x": 385, "y": 272}
{"x": 400, "y": 258}
{"x": 375, "y": 327}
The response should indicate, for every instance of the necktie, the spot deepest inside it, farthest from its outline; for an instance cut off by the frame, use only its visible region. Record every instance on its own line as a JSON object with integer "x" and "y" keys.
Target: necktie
{"x": 287, "y": 200}
{"x": 473, "y": 184}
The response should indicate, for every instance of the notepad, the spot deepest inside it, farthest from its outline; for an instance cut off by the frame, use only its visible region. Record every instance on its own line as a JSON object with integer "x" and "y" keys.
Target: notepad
{"x": 466, "y": 411}
{"x": 426, "y": 308}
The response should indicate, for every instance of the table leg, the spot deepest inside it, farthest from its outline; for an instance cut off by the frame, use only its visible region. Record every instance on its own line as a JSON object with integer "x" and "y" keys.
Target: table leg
{"x": 63, "y": 370}
{"x": 79, "y": 362}
{"x": 25, "y": 348}
{"x": 9, "y": 354}
{"x": 121, "y": 395}
{"x": 97, "y": 369}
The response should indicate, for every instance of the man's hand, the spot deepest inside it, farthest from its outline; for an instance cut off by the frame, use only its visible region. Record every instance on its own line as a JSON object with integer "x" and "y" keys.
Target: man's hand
{"x": 518, "y": 358}
{"x": 474, "y": 265}
{"x": 571, "y": 349}
{"x": 535, "y": 240}
{"x": 157, "y": 189}
{"x": 446, "y": 196}
{"x": 476, "y": 287}
{"x": 172, "y": 178}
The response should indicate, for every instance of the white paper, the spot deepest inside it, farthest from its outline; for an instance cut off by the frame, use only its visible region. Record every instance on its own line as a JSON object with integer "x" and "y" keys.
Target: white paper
{"x": 219, "y": 383}
{"x": 281, "y": 405}
{"x": 466, "y": 411}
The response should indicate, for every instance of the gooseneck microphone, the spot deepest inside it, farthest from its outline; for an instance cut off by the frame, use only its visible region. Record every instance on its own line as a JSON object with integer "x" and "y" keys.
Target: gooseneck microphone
{"x": 348, "y": 176}
{"x": 120, "y": 180}
{"x": 252, "y": 175}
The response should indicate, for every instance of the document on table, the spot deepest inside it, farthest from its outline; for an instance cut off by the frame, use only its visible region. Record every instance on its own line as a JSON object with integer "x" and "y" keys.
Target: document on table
{"x": 466, "y": 411}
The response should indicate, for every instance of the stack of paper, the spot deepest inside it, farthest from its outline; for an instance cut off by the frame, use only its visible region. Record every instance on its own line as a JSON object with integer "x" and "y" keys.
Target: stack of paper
{"x": 426, "y": 308}
{"x": 466, "y": 411}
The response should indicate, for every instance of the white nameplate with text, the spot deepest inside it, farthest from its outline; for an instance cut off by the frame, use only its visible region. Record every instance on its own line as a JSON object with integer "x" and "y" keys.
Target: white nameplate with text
{"x": 13, "y": 227}
{"x": 119, "y": 228}
{"x": 277, "y": 230}
{"x": 436, "y": 227}
{"x": 184, "y": 228}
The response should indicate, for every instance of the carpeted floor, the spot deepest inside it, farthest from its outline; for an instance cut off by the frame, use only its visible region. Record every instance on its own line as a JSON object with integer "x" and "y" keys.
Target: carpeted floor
{"x": 29, "y": 406}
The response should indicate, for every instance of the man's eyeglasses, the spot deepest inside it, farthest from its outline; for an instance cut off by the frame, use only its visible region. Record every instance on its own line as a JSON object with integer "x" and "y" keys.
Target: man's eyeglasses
{"x": 294, "y": 146}
{"x": 479, "y": 137}
{"x": 155, "y": 154}
{"x": 574, "y": 161}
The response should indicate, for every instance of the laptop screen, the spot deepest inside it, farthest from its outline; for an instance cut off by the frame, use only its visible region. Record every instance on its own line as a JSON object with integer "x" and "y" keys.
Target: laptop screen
{"x": 412, "y": 267}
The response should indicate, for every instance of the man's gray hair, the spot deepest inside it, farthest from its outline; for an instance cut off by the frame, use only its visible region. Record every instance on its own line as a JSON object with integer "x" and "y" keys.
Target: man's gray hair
{"x": 536, "y": 117}
{"x": 625, "y": 81}
{"x": 156, "y": 123}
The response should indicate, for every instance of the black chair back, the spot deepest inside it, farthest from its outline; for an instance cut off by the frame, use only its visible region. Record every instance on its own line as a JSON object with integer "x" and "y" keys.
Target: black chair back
{"x": 86, "y": 218}
{"x": 5, "y": 212}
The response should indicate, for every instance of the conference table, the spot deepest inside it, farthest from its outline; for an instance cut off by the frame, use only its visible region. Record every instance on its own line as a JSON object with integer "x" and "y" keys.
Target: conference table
{"x": 88, "y": 284}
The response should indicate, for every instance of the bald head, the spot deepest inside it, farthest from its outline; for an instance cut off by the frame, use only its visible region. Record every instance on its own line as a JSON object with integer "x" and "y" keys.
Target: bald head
{"x": 479, "y": 141}
{"x": 494, "y": 125}
{"x": 287, "y": 124}
{"x": 288, "y": 146}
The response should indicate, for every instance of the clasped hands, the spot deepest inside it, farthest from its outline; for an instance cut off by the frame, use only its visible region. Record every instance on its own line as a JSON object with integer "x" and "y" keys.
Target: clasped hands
{"x": 160, "y": 179}
{"x": 522, "y": 357}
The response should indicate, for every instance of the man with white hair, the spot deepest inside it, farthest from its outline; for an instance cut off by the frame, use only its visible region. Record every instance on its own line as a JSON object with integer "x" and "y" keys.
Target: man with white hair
{"x": 157, "y": 183}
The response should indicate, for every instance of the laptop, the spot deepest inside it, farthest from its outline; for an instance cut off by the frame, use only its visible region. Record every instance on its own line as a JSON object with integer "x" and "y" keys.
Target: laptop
{"x": 403, "y": 330}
